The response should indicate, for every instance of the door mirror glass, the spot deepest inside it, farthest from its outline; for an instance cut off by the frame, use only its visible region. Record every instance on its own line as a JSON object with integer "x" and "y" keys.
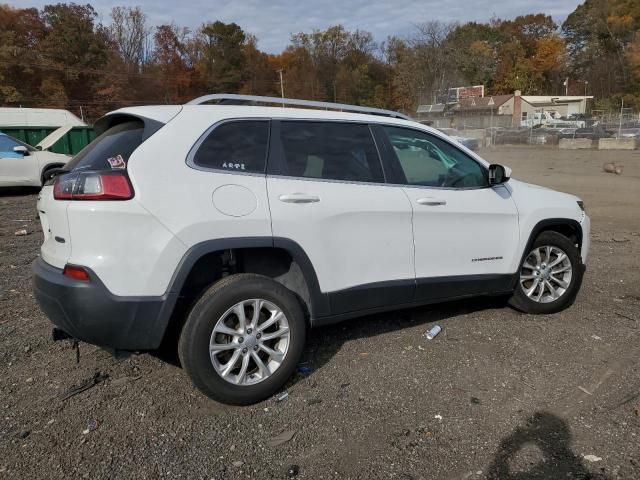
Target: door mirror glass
{"x": 498, "y": 174}
{"x": 21, "y": 149}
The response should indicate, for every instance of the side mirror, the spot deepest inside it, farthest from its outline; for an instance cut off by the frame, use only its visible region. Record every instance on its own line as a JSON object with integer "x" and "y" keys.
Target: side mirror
{"x": 498, "y": 174}
{"x": 21, "y": 149}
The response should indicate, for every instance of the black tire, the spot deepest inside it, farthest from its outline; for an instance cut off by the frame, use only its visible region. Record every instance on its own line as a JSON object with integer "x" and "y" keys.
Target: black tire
{"x": 520, "y": 301}
{"x": 193, "y": 347}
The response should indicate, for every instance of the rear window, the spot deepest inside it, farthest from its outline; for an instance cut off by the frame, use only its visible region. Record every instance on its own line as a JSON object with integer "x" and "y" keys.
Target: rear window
{"x": 112, "y": 149}
{"x": 333, "y": 151}
{"x": 236, "y": 146}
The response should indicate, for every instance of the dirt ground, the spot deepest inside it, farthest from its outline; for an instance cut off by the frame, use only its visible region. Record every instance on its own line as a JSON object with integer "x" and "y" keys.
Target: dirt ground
{"x": 497, "y": 394}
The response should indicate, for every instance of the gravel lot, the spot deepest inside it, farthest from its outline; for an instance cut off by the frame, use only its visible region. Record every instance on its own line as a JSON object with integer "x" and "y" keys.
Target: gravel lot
{"x": 497, "y": 394}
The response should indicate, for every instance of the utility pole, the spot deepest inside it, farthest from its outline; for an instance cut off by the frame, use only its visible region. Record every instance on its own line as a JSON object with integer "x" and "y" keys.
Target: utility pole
{"x": 585, "y": 96}
{"x": 281, "y": 86}
{"x": 566, "y": 86}
{"x": 620, "y": 125}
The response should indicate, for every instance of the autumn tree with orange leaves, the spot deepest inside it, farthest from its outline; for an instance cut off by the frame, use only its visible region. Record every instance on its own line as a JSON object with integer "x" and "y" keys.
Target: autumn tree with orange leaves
{"x": 62, "y": 56}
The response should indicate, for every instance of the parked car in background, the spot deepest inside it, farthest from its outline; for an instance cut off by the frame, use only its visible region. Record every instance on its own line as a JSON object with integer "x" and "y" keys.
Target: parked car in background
{"x": 595, "y": 132}
{"x": 22, "y": 165}
{"x": 469, "y": 142}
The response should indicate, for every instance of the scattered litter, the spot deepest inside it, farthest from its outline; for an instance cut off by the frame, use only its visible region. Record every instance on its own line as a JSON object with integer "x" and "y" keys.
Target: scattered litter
{"x": 86, "y": 385}
{"x": 475, "y": 400}
{"x": 91, "y": 426}
{"x": 345, "y": 385}
{"x": 266, "y": 409}
{"x": 585, "y": 390}
{"x": 596, "y": 337}
{"x": 293, "y": 471}
{"x": 24, "y": 434}
{"x": 438, "y": 417}
{"x": 304, "y": 369}
{"x": 50, "y": 422}
{"x": 282, "y": 396}
{"x": 636, "y": 410}
{"x": 433, "y": 332}
{"x": 284, "y": 437}
{"x": 591, "y": 458}
{"x": 314, "y": 401}
{"x": 364, "y": 354}
{"x": 620, "y": 240}
{"x": 29, "y": 380}
{"x": 21, "y": 233}
{"x": 237, "y": 463}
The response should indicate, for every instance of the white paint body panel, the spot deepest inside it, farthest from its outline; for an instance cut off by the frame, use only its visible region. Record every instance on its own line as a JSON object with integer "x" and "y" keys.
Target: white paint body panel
{"x": 458, "y": 231}
{"x": 536, "y": 204}
{"x": 53, "y": 218}
{"x": 355, "y": 234}
{"x": 130, "y": 250}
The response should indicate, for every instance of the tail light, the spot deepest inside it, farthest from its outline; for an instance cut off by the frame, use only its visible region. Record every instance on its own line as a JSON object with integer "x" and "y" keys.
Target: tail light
{"x": 77, "y": 273}
{"x": 93, "y": 186}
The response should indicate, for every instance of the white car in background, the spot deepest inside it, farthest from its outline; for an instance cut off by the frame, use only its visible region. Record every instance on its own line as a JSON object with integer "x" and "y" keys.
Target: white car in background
{"x": 22, "y": 165}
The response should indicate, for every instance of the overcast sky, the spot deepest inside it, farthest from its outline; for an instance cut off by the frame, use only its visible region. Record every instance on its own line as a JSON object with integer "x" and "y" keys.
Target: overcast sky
{"x": 273, "y": 21}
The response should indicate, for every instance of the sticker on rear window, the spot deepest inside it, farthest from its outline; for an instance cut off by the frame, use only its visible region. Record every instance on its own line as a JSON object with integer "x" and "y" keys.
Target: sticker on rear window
{"x": 117, "y": 162}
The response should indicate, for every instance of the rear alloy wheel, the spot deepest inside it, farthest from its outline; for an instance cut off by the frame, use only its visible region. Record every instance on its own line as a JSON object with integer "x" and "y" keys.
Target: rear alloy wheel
{"x": 249, "y": 342}
{"x": 550, "y": 275}
{"x": 243, "y": 339}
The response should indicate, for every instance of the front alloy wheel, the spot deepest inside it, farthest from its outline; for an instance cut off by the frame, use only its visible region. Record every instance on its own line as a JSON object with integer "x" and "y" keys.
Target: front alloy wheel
{"x": 550, "y": 275}
{"x": 546, "y": 274}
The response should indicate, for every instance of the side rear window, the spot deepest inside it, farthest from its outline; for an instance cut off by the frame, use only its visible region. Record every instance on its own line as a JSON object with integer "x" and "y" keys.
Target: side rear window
{"x": 110, "y": 150}
{"x": 328, "y": 150}
{"x": 236, "y": 146}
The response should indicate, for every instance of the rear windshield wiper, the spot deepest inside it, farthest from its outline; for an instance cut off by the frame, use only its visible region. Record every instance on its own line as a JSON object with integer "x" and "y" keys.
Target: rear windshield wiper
{"x": 50, "y": 174}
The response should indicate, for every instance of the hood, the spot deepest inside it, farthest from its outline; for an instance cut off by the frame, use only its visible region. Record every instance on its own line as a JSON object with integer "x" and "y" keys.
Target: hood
{"x": 48, "y": 141}
{"x": 545, "y": 191}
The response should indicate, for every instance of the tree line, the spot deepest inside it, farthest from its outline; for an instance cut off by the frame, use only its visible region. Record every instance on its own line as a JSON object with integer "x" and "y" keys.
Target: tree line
{"x": 62, "y": 56}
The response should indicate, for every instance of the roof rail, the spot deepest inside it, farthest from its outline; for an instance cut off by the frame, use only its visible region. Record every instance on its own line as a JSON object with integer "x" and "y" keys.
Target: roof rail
{"x": 233, "y": 99}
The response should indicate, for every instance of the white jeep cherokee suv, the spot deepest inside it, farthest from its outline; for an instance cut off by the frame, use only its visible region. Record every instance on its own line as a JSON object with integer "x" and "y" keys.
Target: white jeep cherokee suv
{"x": 230, "y": 229}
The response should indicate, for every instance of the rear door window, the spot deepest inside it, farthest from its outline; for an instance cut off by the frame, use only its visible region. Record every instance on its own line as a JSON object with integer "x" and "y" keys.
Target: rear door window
{"x": 239, "y": 146}
{"x": 329, "y": 150}
{"x": 112, "y": 149}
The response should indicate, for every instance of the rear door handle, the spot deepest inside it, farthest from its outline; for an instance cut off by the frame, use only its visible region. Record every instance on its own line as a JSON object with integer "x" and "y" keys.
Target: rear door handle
{"x": 432, "y": 202}
{"x": 298, "y": 198}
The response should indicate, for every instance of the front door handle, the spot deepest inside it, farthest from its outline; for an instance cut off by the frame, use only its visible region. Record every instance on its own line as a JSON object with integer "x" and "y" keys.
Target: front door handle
{"x": 298, "y": 198}
{"x": 432, "y": 202}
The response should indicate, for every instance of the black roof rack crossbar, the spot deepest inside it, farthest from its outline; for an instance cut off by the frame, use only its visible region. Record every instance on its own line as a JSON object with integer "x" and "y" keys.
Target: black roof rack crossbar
{"x": 233, "y": 99}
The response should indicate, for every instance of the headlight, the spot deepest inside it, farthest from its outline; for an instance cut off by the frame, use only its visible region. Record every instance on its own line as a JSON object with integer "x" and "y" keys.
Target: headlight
{"x": 581, "y": 205}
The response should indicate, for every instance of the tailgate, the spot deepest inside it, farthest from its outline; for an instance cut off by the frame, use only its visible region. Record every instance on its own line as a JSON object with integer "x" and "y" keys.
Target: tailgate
{"x": 56, "y": 248}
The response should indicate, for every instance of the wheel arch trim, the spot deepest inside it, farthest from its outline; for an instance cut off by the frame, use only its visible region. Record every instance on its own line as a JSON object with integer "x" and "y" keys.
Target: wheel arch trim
{"x": 319, "y": 301}
{"x": 544, "y": 225}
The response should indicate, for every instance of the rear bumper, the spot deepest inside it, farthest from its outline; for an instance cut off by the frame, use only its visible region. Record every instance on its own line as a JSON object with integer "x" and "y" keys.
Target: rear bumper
{"x": 89, "y": 312}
